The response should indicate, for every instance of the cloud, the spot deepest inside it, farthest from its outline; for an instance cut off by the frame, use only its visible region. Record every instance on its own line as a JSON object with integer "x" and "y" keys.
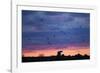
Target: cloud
{"x": 48, "y": 21}
{"x": 43, "y": 28}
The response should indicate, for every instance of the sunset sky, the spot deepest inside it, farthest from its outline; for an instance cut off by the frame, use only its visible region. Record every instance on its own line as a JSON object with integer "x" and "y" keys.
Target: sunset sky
{"x": 45, "y": 33}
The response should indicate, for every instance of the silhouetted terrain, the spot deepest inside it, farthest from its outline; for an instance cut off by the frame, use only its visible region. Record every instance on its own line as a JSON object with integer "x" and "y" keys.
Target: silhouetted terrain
{"x": 58, "y": 57}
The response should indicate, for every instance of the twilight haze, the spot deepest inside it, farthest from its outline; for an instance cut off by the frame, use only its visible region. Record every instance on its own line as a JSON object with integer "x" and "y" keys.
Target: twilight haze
{"x": 45, "y": 33}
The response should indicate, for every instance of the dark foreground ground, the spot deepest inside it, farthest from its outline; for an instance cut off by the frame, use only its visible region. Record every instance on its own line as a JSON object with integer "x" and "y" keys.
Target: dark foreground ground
{"x": 55, "y": 58}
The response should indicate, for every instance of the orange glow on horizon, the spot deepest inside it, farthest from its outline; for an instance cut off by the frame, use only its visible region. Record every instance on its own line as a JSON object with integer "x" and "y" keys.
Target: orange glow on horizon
{"x": 53, "y": 52}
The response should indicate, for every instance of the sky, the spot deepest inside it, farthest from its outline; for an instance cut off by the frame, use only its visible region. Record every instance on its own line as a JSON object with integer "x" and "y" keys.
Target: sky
{"x": 46, "y": 32}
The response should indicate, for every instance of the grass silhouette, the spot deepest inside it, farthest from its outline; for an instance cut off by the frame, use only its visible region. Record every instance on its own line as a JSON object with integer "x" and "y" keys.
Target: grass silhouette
{"x": 58, "y": 57}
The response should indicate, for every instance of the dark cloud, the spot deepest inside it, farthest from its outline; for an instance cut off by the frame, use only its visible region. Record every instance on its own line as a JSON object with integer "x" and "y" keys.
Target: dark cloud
{"x": 43, "y": 28}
